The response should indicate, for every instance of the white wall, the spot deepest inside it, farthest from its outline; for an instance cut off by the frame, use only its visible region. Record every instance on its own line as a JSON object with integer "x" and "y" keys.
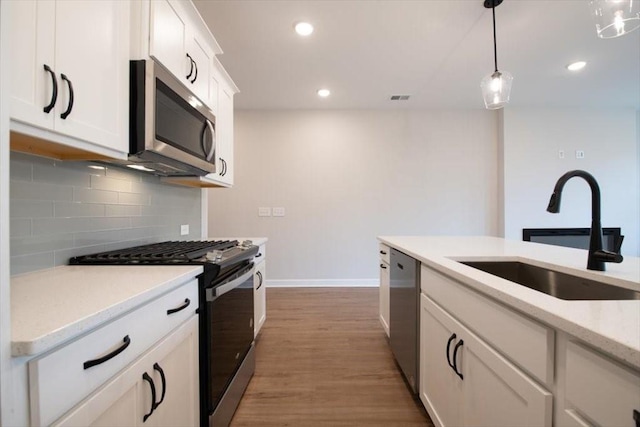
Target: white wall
{"x": 345, "y": 177}
{"x": 610, "y": 140}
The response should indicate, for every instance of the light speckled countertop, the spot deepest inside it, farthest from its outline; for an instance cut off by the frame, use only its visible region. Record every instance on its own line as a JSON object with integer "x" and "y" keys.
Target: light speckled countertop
{"x": 49, "y": 307}
{"x": 611, "y": 326}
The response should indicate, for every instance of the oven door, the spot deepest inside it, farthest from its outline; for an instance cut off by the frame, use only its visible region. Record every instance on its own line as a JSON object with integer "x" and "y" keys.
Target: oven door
{"x": 229, "y": 318}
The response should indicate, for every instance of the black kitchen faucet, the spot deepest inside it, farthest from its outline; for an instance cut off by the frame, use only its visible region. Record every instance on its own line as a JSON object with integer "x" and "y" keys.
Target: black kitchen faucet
{"x": 597, "y": 255}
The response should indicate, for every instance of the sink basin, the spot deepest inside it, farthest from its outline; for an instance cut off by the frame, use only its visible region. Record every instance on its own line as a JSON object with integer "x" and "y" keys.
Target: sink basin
{"x": 556, "y": 284}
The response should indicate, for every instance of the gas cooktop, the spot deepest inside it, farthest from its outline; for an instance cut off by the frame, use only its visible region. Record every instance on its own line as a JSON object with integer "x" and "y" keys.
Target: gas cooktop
{"x": 220, "y": 252}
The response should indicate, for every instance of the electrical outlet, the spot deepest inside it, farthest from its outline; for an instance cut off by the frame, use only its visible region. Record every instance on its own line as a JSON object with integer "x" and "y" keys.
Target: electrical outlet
{"x": 184, "y": 229}
{"x": 561, "y": 154}
{"x": 264, "y": 211}
{"x": 579, "y": 154}
{"x": 279, "y": 211}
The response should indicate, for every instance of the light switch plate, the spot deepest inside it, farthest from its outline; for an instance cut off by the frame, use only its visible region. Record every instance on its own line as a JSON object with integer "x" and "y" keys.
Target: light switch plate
{"x": 279, "y": 211}
{"x": 264, "y": 211}
{"x": 184, "y": 229}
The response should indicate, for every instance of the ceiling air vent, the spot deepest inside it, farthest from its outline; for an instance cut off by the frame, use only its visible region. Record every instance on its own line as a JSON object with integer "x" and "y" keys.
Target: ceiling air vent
{"x": 399, "y": 97}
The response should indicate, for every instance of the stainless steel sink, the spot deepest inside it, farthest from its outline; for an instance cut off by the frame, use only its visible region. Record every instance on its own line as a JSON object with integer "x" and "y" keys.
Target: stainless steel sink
{"x": 556, "y": 284}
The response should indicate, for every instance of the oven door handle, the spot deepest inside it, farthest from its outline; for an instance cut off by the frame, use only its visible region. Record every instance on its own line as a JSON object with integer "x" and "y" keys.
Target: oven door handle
{"x": 218, "y": 291}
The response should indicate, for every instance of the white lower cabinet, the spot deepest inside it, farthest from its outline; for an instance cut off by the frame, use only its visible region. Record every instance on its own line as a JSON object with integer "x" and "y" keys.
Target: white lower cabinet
{"x": 99, "y": 378}
{"x": 596, "y": 390}
{"x": 385, "y": 280}
{"x": 465, "y": 382}
{"x": 159, "y": 389}
{"x": 259, "y": 297}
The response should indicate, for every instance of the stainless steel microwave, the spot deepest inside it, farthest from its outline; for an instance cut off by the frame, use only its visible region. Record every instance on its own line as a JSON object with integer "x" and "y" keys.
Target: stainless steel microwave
{"x": 171, "y": 131}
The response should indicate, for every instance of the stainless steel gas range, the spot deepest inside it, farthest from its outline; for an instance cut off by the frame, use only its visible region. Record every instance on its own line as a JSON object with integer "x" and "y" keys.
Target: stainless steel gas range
{"x": 225, "y": 311}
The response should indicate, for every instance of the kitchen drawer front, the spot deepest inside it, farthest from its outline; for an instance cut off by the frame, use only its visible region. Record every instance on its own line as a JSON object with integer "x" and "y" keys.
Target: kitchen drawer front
{"x": 58, "y": 380}
{"x": 600, "y": 389}
{"x": 262, "y": 254}
{"x": 385, "y": 253}
{"x": 527, "y": 343}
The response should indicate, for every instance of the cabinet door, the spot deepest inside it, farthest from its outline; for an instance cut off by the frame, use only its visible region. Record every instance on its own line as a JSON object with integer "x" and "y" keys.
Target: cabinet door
{"x": 200, "y": 80}
{"x": 126, "y": 399}
{"x": 259, "y": 297}
{"x": 179, "y": 407}
{"x": 168, "y": 38}
{"x": 440, "y": 388}
{"x": 225, "y": 136}
{"x": 496, "y": 393}
{"x": 92, "y": 52}
{"x": 385, "y": 277}
{"x": 32, "y": 22}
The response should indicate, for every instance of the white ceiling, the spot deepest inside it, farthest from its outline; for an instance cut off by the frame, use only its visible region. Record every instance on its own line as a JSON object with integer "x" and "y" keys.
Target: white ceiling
{"x": 437, "y": 51}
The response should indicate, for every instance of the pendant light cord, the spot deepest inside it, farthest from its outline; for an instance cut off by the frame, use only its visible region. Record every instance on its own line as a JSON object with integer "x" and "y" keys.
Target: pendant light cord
{"x": 495, "y": 48}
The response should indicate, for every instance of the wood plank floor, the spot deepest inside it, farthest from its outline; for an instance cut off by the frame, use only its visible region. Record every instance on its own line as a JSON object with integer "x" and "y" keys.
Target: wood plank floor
{"x": 323, "y": 359}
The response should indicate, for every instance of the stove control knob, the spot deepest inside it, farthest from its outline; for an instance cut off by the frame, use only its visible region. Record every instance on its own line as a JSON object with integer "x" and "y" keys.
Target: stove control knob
{"x": 215, "y": 255}
{"x": 246, "y": 243}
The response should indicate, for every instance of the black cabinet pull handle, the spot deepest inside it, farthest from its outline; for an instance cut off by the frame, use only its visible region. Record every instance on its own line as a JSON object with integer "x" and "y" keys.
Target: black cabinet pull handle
{"x": 451, "y": 338}
{"x": 455, "y": 353}
{"x": 258, "y": 255}
{"x": 636, "y": 417}
{"x": 70, "y": 106}
{"x": 164, "y": 383}
{"x": 187, "y": 301}
{"x": 195, "y": 77}
{"x": 260, "y": 278}
{"x": 148, "y": 379}
{"x": 54, "y": 94}
{"x": 400, "y": 266}
{"x": 90, "y": 363}
{"x": 191, "y": 68}
{"x": 383, "y": 266}
{"x": 383, "y": 253}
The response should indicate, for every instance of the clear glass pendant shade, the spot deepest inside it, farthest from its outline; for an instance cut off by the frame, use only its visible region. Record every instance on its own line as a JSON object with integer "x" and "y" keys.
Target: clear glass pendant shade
{"x": 496, "y": 88}
{"x": 615, "y": 18}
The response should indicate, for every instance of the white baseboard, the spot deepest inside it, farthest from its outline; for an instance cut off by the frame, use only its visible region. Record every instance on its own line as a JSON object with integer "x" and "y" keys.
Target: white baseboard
{"x": 323, "y": 283}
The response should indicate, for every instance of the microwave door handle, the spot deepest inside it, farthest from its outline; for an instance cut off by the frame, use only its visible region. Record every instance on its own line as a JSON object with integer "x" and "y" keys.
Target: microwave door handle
{"x": 212, "y": 151}
{"x": 218, "y": 291}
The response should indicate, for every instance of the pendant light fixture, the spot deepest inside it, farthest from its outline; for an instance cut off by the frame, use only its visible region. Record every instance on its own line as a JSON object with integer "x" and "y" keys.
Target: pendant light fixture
{"x": 615, "y": 18}
{"x": 496, "y": 87}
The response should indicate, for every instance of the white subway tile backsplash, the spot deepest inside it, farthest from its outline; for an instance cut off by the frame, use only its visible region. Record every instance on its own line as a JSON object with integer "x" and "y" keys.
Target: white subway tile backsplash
{"x": 61, "y": 175}
{"x": 89, "y": 195}
{"x": 122, "y": 210}
{"x": 20, "y": 227}
{"x": 104, "y": 183}
{"x": 77, "y": 209}
{"x": 134, "y": 199}
{"x": 23, "y": 190}
{"x": 64, "y": 209}
{"x": 31, "y": 208}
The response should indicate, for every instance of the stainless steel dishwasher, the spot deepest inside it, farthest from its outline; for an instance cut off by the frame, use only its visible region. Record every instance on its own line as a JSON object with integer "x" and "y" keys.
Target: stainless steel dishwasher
{"x": 404, "y": 300}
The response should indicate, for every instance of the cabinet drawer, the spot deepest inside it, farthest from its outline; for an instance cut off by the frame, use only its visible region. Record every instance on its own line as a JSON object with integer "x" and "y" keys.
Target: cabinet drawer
{"x": 59, "y": 380}
{"x": 524, "y": 341}
{"x": 262, "y": 254}
{"x": 385, "y": 253}
{"x": 600, "y": 389}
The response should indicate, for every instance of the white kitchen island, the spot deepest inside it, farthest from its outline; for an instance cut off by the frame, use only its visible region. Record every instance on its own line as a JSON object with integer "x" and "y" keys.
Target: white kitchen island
{"x": 493, "y": 352}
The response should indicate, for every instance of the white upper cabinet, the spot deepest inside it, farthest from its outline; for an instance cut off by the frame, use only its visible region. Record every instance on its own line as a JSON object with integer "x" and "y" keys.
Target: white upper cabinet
{"x": 70, "y": 74}
{"x": 176, "y": 42}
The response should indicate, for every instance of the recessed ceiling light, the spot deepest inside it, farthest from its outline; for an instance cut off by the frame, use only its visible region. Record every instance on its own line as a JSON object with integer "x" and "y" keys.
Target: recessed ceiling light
{"x": 303, "y": 28}
{"x": 575, "y": 66}
{"x": 323, "y": 93}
